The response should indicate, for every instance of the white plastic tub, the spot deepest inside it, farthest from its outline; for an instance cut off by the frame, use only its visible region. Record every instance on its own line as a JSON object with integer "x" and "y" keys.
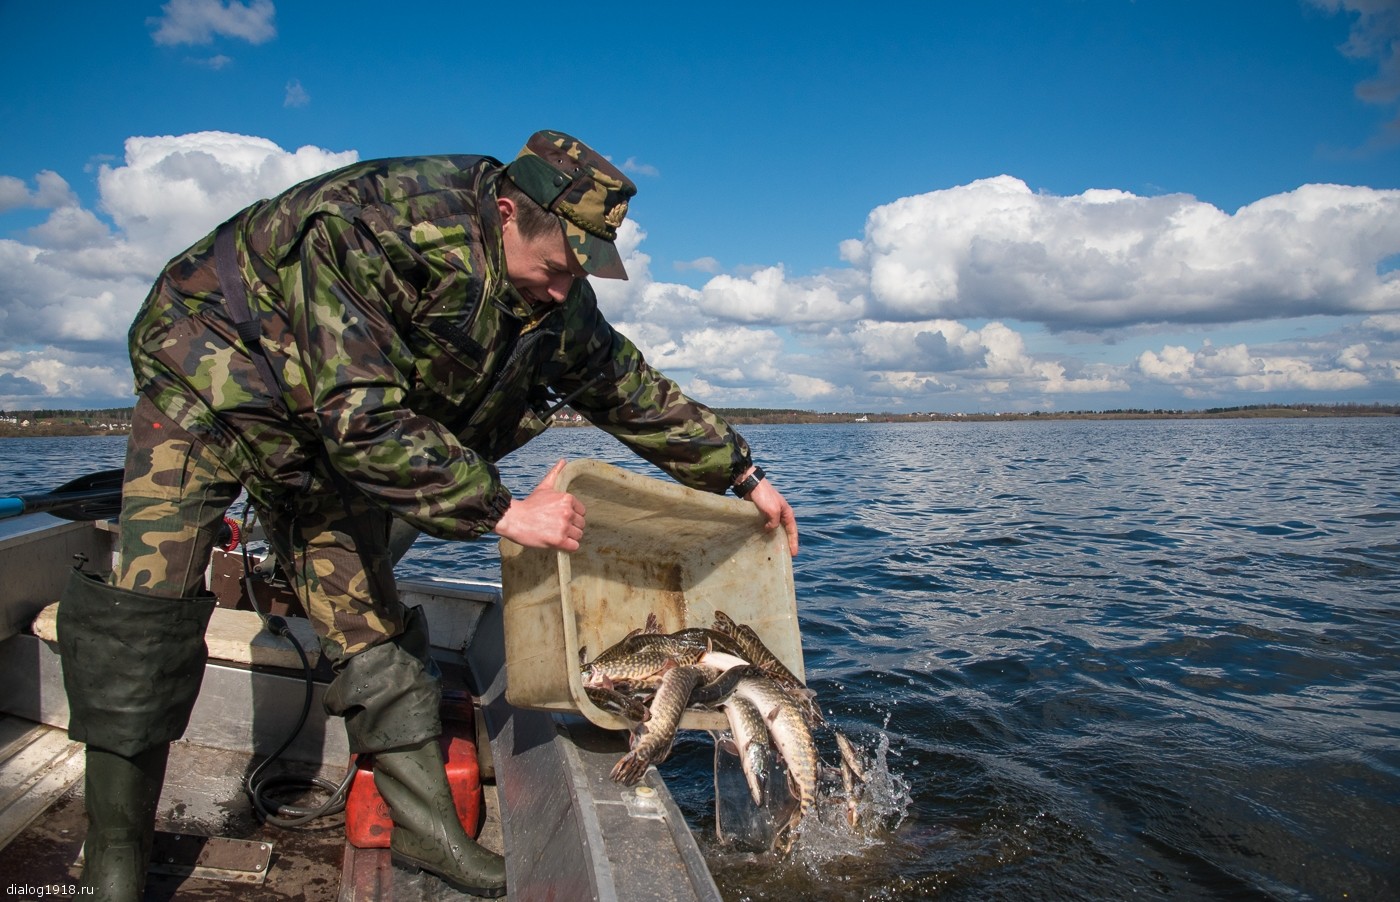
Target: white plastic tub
{"x": 650, "y": 546}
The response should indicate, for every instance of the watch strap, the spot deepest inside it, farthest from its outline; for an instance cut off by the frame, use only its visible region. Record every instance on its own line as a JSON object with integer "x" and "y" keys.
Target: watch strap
{"x": 749, "y": 483}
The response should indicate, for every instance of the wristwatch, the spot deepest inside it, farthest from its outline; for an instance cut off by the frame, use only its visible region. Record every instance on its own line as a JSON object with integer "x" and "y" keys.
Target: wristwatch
{"x": 749, "y": 483}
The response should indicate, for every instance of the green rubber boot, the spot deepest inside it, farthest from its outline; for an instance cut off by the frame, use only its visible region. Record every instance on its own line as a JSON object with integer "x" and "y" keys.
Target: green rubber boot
{"x": 121, "y": 795}
{"x": 132, "y": 665}
{"x": 389, "y": 696}
{"x": 427, "y": 834}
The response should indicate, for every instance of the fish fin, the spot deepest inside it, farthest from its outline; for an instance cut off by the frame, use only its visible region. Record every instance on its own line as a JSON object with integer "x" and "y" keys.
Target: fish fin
{"x": 653, "y": 623}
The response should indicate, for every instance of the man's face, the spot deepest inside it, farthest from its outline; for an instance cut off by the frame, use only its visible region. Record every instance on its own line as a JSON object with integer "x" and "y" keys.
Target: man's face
{"x": 542, "y": 269}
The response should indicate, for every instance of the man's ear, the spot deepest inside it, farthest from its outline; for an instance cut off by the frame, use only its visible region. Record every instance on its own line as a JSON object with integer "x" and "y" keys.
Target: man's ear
{"x": 506, "y": 207}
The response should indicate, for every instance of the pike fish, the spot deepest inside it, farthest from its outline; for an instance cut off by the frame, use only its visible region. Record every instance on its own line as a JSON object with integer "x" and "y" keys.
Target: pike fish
{"x": 787, "y": 726}
{"x": 750, "y": 742}
{"x": 710, "y": 640}
{"x": 641, "y": 657}
{"x": 852, "y": 777}
{"x": 752, "y": 649}
{"x": 616, "y": 701}
{"x": 659, "y": 732}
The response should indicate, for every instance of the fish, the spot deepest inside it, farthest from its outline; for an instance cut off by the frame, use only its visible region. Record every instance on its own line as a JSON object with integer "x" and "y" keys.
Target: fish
{"x": 852, "y": 773}
{"x": 617, "y": 701}
{"x": 788, "y": 728}
{"x": 727, "y": 667}
{"x": 750, "y": 743}
{"x": 639, "y": 657}
{"x": 659, "y": 732}
{"x": 712, "y": 640}
{"x": 752, "y": 649}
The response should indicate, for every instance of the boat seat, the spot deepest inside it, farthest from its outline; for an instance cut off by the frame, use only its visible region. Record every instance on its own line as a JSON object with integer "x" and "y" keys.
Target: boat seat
{"x": 233, "y": 637}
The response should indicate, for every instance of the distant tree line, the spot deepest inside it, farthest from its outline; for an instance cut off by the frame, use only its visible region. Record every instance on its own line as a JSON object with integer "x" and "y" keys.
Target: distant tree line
{"x": 742, "y": 415}
{"x": 96, "y": 415}
{"x": 109, "y": 420}
{"x": 44, "y": 422}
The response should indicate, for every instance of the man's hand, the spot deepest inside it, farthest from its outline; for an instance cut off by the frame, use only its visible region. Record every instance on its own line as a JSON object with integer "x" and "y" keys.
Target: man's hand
{"x": 778, "y": 512}
{"x": 546, "y": 518}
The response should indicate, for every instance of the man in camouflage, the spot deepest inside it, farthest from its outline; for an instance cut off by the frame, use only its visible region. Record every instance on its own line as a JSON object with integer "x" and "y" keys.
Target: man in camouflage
{"x": 407, "y": 322}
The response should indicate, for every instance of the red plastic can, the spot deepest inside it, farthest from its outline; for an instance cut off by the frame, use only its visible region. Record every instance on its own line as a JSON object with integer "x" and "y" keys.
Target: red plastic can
{"x": 368, "y": 824}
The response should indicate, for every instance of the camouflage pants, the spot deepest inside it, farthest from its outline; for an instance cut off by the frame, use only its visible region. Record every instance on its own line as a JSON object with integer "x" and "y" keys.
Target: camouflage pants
{"x": 176, "y": 492}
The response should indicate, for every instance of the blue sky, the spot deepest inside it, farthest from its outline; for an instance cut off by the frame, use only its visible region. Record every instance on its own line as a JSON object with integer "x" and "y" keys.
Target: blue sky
{"x": 1056, "y": 205}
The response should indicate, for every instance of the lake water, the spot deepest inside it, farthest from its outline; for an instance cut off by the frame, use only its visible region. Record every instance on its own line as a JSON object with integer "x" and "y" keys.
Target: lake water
{"x": 1088, "y": 660}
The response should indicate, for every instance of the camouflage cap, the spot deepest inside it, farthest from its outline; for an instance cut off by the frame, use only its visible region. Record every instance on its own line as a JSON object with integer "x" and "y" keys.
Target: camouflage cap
{"x": 588, "y": 194}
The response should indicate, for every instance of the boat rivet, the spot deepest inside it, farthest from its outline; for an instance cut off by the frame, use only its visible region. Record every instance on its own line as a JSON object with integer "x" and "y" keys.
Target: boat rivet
{"x": 645, "y": 792}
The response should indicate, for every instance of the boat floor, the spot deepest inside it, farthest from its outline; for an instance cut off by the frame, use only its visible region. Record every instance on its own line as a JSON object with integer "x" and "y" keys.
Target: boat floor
{"x": 43, "y": 823}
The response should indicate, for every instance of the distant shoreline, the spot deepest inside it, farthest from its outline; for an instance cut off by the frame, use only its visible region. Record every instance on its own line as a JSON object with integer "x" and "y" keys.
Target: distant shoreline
{"x": 756, "y": 416}
{"x": 1277, "y": 414}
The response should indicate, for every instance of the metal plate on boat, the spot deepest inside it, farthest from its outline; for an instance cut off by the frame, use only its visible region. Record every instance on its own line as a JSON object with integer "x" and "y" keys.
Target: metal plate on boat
{"x": 210, "y": 857}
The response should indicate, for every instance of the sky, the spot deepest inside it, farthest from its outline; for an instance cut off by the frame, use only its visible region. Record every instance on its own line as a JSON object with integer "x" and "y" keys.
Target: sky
{"x": 1048, "y": 205}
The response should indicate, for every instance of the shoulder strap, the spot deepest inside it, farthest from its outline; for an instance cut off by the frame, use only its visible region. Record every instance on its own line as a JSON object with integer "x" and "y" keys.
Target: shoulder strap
{"x": 236, "y": 297}
{"x": 377, "y": 570}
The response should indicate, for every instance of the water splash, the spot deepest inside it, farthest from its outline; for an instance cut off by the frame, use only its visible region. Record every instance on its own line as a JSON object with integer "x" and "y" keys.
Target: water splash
{"x": 831, "y": 858}
{"x": 847, "y": 820}
{"x": 852, "y": 822}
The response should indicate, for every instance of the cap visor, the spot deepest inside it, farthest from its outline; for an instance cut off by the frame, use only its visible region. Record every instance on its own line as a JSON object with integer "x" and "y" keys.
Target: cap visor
{"x": 597, "y": 256}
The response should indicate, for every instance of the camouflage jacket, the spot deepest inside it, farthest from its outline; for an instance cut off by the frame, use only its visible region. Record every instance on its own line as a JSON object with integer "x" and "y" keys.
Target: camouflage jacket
{"x": 406, "y": 360}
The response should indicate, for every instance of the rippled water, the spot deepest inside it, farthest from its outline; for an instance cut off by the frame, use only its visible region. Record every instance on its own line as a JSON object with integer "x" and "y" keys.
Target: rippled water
{"x": 1099, "y": 659}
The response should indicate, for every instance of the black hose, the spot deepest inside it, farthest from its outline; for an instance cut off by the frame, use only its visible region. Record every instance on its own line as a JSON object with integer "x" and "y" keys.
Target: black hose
{"x": 274, "y": 813}
{"x": 289, "y": 815}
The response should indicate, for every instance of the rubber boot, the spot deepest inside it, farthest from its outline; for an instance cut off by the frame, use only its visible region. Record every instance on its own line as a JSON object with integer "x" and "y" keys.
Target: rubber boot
{"x": 121, "y": 795}
{"x": 390, "y": 697}
{"x": 427, "y": 834}
{"x": 132, "y": 666}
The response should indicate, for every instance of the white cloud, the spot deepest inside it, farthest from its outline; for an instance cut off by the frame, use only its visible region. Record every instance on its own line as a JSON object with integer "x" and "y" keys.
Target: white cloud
{"x": 296, "y": 95}
{"x": 944, "y": 355}
{"x": 13, "y": 193}
{"x": 1212, "y": 370}
{"x": 171, "y": 189}
{"x": 631, "y": 165}
{"x": 200, "y": 21}
{"x": 1353, "y": 357}
{"x": 1388, "y": 323}
{"x": 216, "y": 62}
{"x": 70, "y": 228}
{"x": 1375, "y": 35}
{"x": 890, "y": 329}
{"x": 76, "y": 280}
{"x": 768, "y": 296}
{"x": 36, "y": 377}
{"x": 1101, "y": 259}
{"x": 700, "y": 264}
{"x": 50, "y": 191}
